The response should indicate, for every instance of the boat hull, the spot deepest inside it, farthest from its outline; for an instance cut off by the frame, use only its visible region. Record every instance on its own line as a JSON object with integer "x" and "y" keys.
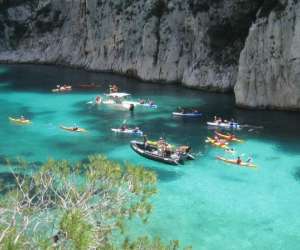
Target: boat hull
{"x": 138, "y": 147}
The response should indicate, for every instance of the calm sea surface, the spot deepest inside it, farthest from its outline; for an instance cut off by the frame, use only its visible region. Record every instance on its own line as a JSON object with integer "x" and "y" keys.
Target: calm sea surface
{"x": 205, "y": 203}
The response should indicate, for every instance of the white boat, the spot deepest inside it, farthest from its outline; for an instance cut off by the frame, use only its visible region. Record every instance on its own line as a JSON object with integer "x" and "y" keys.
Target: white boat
{"x": 130, "y": 131}
{"x": 120, "y": 99}
{"x": 229, "y": 125}
{"x": 188, "y": 114}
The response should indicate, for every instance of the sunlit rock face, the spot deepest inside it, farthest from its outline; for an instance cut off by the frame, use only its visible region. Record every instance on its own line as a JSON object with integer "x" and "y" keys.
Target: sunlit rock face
{"x": 197, "y": 43}
{"x": 269, "y": 67}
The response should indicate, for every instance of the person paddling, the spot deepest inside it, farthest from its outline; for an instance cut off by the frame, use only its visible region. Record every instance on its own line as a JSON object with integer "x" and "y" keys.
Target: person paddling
{"x": 238, "y": 161}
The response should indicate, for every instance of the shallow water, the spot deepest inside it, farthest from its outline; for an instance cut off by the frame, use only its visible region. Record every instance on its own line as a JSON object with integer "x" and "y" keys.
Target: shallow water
{"x": 205, "y": 203}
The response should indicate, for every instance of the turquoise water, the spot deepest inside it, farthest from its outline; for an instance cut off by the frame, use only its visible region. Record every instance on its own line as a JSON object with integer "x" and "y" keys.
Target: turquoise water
{"x": 205, "y": 203}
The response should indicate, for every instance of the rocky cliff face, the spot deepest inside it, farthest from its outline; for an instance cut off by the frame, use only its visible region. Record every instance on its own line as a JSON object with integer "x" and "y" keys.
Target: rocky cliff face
{"x": 269, "y": 68}
{"x": 193, "y": 42}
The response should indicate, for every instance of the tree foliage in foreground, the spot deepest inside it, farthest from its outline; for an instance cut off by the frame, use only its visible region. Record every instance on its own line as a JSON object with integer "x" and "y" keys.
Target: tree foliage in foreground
{"x": 81, "y": 206}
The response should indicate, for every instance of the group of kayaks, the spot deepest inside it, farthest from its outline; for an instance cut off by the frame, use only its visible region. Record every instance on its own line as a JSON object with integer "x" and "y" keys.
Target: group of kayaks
{"x": 23, "y": 121}
{"x": 156, "y": 150}
{"x": 222, "y": 141}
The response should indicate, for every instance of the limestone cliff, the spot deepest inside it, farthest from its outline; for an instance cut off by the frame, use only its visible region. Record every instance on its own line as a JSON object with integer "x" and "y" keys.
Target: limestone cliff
{"x": 269, "y": 68}
{"x": 194, "y": 42}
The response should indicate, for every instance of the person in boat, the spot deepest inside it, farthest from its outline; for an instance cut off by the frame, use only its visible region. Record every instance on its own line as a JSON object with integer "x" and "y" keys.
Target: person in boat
{"x": 136, "y": 129}
{"x": 22, "y": 118}
{"x": 249, "y": 160}
{"x": 145, "y": 138}
{"x": 123, "y": 127}
{"x": 195, "y": 111}
{"x": 142, "y": 101}
{"x": 161, "y": 141}
{"x": 230, "y": 150}
{"x": 114, "y": 88}
{"x": 238, "y": 160}
{"x": 98, "y": 100}
{"x": 75, "y": 128}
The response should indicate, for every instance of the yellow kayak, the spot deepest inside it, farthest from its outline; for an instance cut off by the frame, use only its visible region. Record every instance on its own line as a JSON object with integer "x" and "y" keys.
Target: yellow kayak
{"x": 228, "y": 137}
{"x": 234, "y": 161}
{"x": 19, "y": 121}
{"x": 73, "y": 129}
{"x": 215, "y": 143}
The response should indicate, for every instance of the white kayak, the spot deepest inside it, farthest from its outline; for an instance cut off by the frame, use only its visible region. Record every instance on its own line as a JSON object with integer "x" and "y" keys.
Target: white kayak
{"x": 230, "y": 125}
{"x": 191, "y": 114}
{"x": 149, "y": 105}
{"x": 128, "y": 131}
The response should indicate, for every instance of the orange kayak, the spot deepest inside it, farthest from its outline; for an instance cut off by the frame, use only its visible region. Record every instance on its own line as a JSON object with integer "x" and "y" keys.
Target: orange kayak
{"x": 228, "y": 137}
{"x": 234, "y": 161}
{"x": 217, "y": 144}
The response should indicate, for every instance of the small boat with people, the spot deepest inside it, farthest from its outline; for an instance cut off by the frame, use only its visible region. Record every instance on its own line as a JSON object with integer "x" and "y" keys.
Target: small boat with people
{"x": 237, "y": 161}
{"x": 162, "y": 152}
{"x": 219, "y": 122}
{"x": 228, "y": 137}
{"x": 120, "y": 99}
{"x": 187, "y": 113}
{"x": 125, "y": 130}
{"x": 21, "y": 121}
{"x": 63, "y": 88}
{"x": 73, "y": 129}
{"x": 147, "y": 103}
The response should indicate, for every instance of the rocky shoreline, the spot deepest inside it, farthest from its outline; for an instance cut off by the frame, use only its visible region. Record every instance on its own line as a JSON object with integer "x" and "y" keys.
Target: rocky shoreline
{"x": 249, "y": 47}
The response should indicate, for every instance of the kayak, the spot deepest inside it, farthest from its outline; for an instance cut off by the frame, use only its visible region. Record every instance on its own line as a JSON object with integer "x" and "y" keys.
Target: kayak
{"x": 19, "y": 121}
{"x": 230, "y": 125}
{"x": 62, "y": 89}
{"x": 89, "y": 86}
{"x": 217, "y": 144}
{"x": 128, "y": 131}
{"x": 190, "y": 115}
{"x": 228, "y": 137}
{"x": 234, "y": 161}
{"x": 72, "y": 129}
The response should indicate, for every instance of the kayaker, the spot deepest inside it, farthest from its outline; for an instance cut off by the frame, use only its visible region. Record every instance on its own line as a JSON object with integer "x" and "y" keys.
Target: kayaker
{"x": 75, "y": 128}
{"x": 131, "y": 107}
{"x": 22, "y": 118}
{"x": 238, "y": 161}
{"x": 249, "y": 160}
{"x": 145, "y": 141}
{"x": 230, "y": 150}
{"x": 123, "y": 127}
{"x": 98, "y": 100}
